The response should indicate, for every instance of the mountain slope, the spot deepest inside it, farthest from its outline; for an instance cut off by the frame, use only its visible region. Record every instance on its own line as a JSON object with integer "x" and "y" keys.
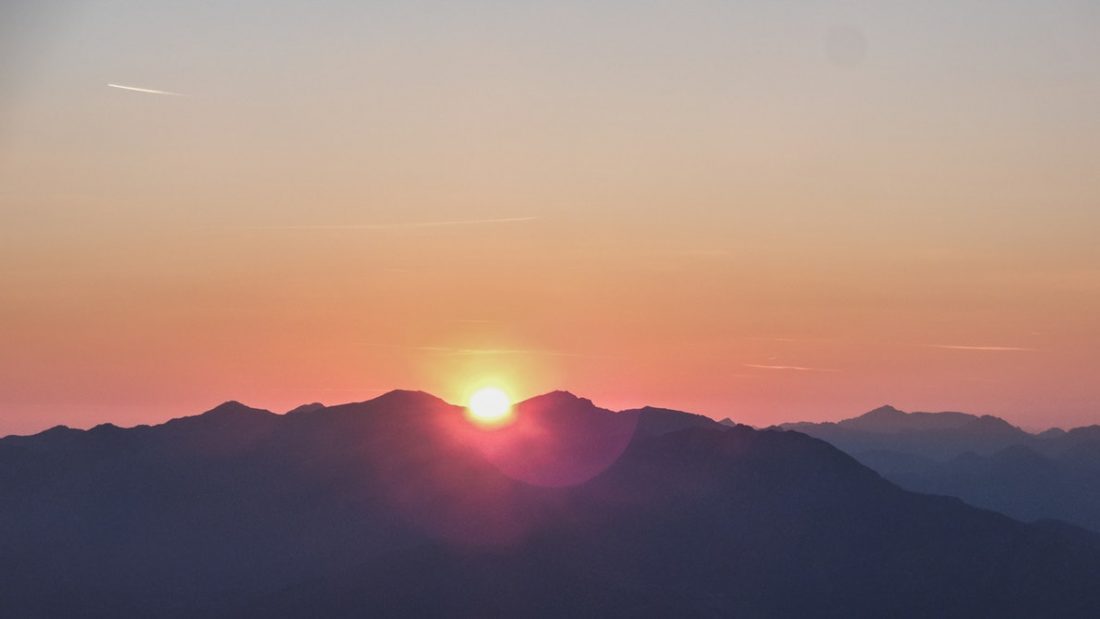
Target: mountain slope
{"x": 929, "y": 435}
{"x": 982, "y": 460}
{"x": 399, "y": 507}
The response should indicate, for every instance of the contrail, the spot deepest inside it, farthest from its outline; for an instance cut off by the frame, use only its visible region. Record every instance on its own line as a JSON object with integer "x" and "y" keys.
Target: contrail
{"x": 149, "y": 91}
{"x": 985, "y": 348}
{"x": 797, "y": 368}
{"x": 398, "y": 226}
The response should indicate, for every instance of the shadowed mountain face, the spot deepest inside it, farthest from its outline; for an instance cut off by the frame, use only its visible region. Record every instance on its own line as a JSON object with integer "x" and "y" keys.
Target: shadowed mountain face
{"x": 928, "y": 435}
{"x": 983, "y": 460}
{"x": 400, "y": 507}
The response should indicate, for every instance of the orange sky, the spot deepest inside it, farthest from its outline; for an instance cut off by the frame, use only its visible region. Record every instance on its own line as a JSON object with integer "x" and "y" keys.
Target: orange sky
{"x": 762, "y": 212}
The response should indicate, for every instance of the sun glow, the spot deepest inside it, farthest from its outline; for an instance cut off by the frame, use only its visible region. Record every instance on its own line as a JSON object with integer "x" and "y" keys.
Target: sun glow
{"x": 490, "y": 406}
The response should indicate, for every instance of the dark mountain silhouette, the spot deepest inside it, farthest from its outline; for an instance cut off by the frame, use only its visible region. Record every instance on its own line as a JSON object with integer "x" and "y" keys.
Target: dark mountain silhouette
{"x": 400, "y": 507}
{"x": 983, "y": 460}
{"x": 931, "y": 435}
{"x": 1051, "y": 433}
{"x": 306, "y": 408}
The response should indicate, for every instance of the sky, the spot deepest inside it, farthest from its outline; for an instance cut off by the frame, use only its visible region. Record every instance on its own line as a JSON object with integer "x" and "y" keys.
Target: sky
{"x": 770, "y": 211}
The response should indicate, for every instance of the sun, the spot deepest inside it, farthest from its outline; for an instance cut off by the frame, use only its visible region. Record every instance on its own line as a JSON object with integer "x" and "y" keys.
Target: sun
{"x": 490, "y": 406}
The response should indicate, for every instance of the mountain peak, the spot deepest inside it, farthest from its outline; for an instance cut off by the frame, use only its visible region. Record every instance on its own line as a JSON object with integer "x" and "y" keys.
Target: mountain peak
{"x": 400, "y": 402}
{"x": 231, "y": 409}
{"x": 306, "y": 408}
{"x": 885, "y": 410}
{"x": 993, "y": 423}
{"x": 891, "y": 420}
{"x": 406, "y": 397}
{"x": 1051, "y": 433}
{"x": 229, "y": 406}
{"x": 557, "y": 398}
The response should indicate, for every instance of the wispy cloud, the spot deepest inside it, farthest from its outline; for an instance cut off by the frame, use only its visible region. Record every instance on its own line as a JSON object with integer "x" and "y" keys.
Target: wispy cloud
{"x": 982, "y": 348}
{"x": 797, "y": 368}
{"x": 405, "y": 225}
{"x": 148, "y": 91}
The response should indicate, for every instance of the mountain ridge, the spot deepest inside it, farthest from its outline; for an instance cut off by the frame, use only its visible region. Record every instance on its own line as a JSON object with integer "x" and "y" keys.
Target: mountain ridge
{"x": 982, "y": 459}
{"x": 400, "y": 505}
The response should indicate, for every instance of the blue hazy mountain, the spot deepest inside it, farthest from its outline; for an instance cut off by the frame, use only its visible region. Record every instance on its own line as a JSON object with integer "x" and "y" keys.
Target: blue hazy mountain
{"x": 399, "y": 507}
{"x": 983, "y": 460}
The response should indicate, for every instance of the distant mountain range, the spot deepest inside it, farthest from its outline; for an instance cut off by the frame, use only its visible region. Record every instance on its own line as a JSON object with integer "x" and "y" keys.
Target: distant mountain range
{"x": 399, "y": 507}
{"x": 983, "y": 460}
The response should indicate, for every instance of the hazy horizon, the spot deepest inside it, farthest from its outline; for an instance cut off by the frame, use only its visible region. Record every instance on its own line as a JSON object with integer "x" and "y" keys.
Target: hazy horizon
{"x": 769, "y": 212}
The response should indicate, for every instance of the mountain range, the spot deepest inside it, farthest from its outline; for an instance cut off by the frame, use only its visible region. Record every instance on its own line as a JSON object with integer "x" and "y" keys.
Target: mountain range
{"x": 983, "y": 460}
{"x": 399, "y": 507}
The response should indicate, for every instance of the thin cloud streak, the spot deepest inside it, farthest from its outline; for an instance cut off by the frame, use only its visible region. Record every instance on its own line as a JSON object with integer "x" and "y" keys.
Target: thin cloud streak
{"x": 982, "y": 348}
{"x": 148, "y": 91}
{"x": 797, "y": 368}
{"x": 406, "y": 225}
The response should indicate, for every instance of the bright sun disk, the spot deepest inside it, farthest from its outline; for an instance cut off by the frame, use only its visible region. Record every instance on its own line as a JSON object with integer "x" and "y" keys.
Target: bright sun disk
{"x": 490, "y": 405}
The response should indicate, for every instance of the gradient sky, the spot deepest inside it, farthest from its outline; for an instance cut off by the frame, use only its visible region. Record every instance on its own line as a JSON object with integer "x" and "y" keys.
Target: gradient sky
{"x": 770, "y": 211}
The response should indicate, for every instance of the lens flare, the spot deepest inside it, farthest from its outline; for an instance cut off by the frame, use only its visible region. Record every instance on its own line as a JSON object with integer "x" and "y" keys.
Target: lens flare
{"x": 490, "y": 406}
